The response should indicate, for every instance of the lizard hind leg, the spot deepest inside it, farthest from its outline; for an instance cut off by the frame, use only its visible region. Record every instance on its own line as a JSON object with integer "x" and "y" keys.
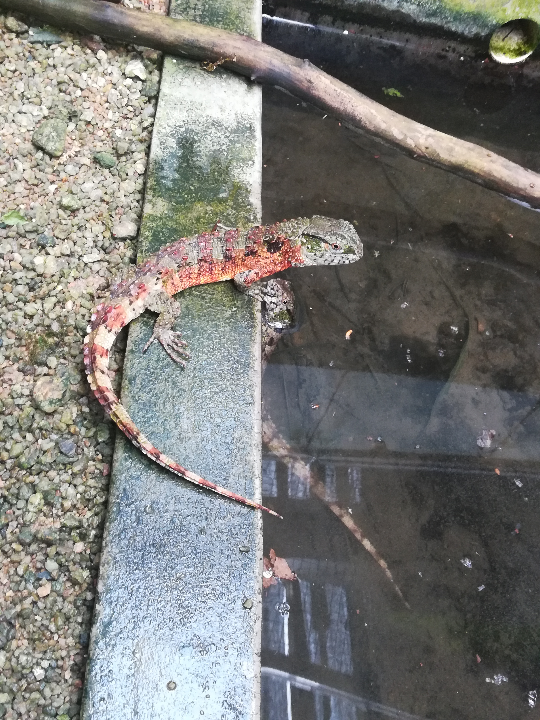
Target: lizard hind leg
{"x": 171, "y": 340}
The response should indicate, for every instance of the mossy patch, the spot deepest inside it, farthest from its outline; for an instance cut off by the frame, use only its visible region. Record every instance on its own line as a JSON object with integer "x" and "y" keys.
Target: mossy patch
{"x": 227, "y": 15}
{"x": 40, "y": 346}
{"x": 514, "y": 41}
{"x": 193, "y": 196}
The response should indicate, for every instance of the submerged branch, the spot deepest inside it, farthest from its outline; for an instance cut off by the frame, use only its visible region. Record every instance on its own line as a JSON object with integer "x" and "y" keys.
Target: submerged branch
{"x": 264, "y": 64}
{"x": 280, "y": 449}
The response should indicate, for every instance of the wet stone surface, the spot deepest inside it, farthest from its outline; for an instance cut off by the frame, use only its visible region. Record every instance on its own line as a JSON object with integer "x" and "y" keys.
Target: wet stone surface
{"x": 194, "y": 624}
{"x": 55, "y": 448}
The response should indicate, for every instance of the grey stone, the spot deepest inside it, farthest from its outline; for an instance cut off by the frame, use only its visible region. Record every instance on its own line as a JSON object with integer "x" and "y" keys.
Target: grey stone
{"x": 49, "y": 496}
{"x": 48, "y": 535}
{"x": 71, "y": 521}
{"x": 65, "y": 111}
{"x": 25, "y": 490}
{"x": 68, "y": 447}
{"x": 71, "y": 170}
{"x": 150, "y": 88}
{"x": 16, "y": 450}
{"x": 46, "y": 240}
{"x": 57, "y": 586}
{"x": 50, "y": 135}
{"x": 43, "y": 35}
{"x": 49, "y": 393}
{"x": 26, "y": 535}
{"x": 105, "y": 159}
{"x": 91, "y": 257}
{"x": 69, "y": 202}
{"x": 28, "y": 458}
{"x": 7, "y": 633}
{"x": 122, "y": 147}
{"x": 80, "y": 465}
{"x": 103, "y": 432}
{"x": 14, "y": 25}
{"x": 62, "y": 232}
{"x": 35, "y": 502}
{"x": 51, "y": 565}
{"x": 135, "y": 68}
{"x": 125, "y": 229}
{"x": 79, "y": 576}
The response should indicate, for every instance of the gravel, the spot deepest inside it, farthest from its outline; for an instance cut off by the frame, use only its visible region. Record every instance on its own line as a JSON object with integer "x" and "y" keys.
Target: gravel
{"x": 75, "y": 122}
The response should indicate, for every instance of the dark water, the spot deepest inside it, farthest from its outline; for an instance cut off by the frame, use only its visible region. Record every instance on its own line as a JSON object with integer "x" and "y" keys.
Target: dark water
{"x": 444, "y": 352}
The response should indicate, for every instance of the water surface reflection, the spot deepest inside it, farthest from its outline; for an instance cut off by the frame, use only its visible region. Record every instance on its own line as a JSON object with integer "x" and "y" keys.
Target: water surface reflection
{"x": 410, "y": 391}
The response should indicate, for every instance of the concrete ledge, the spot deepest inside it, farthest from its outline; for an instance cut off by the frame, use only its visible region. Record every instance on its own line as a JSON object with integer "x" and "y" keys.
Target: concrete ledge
{"x": 177, "y": 625}
{"x": 469, "y": 18}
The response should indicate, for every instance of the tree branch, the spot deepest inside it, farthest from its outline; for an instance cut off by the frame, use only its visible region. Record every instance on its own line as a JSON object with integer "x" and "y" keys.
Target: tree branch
{"x": 264, "y": 64}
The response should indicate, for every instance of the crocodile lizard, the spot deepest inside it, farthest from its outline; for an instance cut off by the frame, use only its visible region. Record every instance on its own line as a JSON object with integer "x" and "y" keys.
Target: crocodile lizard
{"x": 242, "y": 255}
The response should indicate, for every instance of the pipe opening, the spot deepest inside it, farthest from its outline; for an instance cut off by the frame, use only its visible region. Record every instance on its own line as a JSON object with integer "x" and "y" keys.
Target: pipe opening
{"x": 514, "y": 41}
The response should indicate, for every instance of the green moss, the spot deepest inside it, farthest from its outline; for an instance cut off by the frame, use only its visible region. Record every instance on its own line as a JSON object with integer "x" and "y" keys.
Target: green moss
{"x": 227, "y": 14}
{"x": 39, "y": 347}
{"x": 509, "y": 49}
{"x": 514, "y": 40}
{"x": 192, "y": 197}
{"x": 392, "y": 91}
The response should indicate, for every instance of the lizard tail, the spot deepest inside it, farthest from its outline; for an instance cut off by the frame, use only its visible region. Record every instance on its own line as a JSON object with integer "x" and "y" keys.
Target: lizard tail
{"x": 96, "y": 361}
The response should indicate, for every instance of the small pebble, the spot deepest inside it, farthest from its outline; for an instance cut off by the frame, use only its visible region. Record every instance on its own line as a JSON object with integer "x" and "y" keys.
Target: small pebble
{"x": 49, "y": 393}
{"x": 135, "y": 68}
{"x": 15, "y": 26}
{"x": 105, "y": 159}
{"x": 125, "y": 229}
{"x": 68, "y": 447}
{"x": 50, "y": 136}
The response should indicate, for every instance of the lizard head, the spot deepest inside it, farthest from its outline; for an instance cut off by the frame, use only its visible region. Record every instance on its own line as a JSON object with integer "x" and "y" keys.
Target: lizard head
{"x": 323, "y": 240}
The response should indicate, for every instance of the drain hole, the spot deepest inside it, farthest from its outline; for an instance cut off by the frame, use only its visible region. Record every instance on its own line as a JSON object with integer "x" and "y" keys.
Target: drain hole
{"x": 514, "y": 41}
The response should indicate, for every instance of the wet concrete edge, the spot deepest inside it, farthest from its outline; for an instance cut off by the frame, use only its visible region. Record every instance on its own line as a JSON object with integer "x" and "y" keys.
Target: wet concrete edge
{"x": 465, "y": 18}
{"x": 177, "y": 622}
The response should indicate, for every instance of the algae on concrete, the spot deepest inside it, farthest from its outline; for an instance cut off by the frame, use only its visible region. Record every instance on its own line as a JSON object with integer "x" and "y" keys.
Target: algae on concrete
{"x": 177, "y": 622}
{"x": 208, "y": 174}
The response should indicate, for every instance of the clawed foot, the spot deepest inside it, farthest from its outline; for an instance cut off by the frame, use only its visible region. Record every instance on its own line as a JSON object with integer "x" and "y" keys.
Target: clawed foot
{"x": 173, "y": 344}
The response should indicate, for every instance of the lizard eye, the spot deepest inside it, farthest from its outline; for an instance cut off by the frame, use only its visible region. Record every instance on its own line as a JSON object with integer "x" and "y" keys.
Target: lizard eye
{"x": 336, "y": 247}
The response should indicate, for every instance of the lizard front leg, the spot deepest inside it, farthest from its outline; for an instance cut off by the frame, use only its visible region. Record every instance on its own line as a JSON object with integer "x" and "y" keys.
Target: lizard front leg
{"x": 278, "y": 314}
{"x": 168, "y": 311}
{"x": 275, "y": 294}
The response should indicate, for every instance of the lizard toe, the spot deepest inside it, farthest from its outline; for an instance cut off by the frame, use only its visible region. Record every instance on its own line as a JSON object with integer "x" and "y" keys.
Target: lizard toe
{"x": 174, "y": 356}
{"x": 174, "y": 346}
